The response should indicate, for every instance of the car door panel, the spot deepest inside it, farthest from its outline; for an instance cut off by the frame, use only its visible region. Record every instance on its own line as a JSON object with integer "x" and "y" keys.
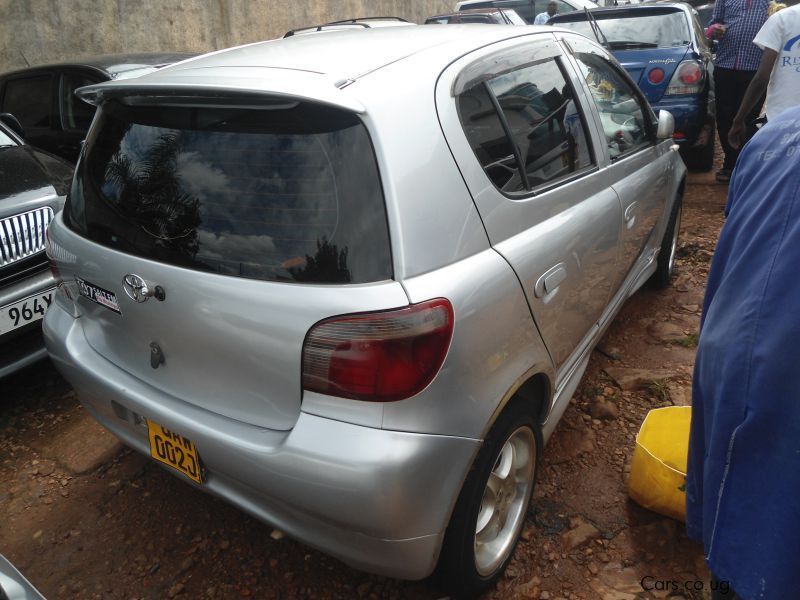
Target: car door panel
{"x": 561, "y": 239}
{"x": 638, "y": 167}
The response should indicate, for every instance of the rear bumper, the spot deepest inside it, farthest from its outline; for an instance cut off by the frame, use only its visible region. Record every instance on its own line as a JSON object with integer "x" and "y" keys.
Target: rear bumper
{"x": 378, "y": 500}
{"x": 690, "y": 114}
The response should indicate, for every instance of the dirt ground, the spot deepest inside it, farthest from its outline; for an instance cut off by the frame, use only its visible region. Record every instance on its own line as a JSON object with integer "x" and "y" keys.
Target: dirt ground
{"x": 103, "y": 522}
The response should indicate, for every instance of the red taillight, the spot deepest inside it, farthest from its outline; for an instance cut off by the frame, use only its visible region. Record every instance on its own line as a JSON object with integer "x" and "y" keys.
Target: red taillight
{"x": 678, "y": 136}
{"x": 655, "y": 75}
{"x": 688, "y": 78}
{"x": 689, "y": 73}
{"x": 378, "y": 357}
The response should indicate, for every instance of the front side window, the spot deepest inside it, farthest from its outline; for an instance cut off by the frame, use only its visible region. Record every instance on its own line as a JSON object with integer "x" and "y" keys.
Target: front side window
{"x": 30, "y": 100}
{"x": 622, "y": 111}
{"x": 285, "y": 194}
{"x": 525, "y": 127}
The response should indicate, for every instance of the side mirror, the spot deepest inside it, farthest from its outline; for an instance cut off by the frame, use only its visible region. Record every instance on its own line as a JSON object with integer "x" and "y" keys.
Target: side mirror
{"x": 666, "y": 125}
{"x": 13, "y": 123}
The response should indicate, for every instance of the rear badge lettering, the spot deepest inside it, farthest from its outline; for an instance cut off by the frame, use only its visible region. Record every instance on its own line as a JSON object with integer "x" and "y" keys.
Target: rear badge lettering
{"x": 99, "y": 295}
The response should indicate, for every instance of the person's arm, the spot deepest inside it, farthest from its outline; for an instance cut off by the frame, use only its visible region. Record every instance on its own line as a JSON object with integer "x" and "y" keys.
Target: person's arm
{"x": 755, "y": 90}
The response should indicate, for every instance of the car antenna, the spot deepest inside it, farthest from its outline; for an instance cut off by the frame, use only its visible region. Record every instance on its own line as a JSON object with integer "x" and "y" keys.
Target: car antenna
{"x": 598, "y": 33}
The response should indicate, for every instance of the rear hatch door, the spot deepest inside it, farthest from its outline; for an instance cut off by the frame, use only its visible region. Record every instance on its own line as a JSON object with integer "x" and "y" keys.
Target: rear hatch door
{"x": 217, "y": 236}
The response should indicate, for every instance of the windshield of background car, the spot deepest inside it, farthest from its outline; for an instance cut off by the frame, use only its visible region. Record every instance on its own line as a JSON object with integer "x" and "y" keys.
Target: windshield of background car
{"x": 290, "y": 193}
{"x": 634, "y": 29}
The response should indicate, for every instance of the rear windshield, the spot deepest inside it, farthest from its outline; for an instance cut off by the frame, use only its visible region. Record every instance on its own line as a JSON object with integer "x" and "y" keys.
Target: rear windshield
{"x": 634, "y": 29}
{"x": 286, "y": 194}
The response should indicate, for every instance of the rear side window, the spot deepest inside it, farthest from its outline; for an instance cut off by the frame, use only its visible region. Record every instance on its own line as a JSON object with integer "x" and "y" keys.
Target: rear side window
{"x": 30, "y": 99}
{"x": 76, "y": 115}
{"x": 489, "y": 141}
{"x": 290, "y": 194}
{"x": 525, "y": 127}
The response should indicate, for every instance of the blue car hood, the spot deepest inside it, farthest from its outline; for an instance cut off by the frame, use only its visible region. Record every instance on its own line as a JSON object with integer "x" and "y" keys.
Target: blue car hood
{"x": 639, "y": 62}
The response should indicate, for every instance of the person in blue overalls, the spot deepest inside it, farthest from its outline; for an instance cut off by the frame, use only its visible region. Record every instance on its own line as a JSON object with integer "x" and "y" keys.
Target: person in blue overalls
{"x": 743, "y": 479}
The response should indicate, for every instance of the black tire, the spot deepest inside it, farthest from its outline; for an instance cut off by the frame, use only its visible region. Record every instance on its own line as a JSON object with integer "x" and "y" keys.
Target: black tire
{"x": 669, "y": 247}
{"x": 458, "y": 569}
{"x": 701, "y": 159}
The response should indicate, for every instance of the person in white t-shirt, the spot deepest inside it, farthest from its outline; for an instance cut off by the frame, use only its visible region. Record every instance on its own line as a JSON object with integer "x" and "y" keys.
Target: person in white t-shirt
{"x": 778, "y": 72}
{"x": 544, "y": 17}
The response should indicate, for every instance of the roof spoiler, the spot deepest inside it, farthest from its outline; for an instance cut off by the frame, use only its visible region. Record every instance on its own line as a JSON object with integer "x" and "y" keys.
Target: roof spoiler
{"x": 178, "y": 93}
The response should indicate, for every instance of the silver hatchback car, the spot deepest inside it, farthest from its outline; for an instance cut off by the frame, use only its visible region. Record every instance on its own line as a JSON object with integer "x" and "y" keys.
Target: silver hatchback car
{"x": 349, "y": 282}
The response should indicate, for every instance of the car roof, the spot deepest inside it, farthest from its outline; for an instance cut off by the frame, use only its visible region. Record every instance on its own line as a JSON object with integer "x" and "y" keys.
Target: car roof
{"x": 113, "y": 65}
{"x": 317, "y": 67}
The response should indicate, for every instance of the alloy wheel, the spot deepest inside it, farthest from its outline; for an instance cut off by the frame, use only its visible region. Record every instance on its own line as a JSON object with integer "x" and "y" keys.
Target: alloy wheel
{"x": 505, "y": 501}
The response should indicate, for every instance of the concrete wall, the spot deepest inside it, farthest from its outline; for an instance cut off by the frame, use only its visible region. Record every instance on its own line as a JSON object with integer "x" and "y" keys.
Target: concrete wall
{"x": 42, "y": 31}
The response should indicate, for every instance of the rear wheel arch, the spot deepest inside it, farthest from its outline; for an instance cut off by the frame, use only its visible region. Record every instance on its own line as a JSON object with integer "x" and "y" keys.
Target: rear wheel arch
{"x": 462, "y": 569}
{"x": 518, "y": 417}
{"x": 533, "y": 390}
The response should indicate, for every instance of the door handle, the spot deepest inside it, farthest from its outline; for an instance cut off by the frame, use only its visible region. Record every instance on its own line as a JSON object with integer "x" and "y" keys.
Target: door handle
{"x": 548, "y": 283}
{"x": 630, "y": 214}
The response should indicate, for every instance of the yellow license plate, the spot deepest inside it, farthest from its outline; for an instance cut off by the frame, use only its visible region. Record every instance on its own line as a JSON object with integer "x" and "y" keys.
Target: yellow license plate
{"x": 174, "y": 450}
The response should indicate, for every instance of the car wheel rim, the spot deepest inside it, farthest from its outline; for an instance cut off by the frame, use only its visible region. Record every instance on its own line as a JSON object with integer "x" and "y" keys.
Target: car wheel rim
{"x": 673, "y": 248}
{"x": 505, "y": 501}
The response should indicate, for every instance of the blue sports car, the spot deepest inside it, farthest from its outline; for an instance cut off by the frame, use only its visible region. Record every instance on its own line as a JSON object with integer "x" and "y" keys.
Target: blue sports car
{"x": 663, "y": 48}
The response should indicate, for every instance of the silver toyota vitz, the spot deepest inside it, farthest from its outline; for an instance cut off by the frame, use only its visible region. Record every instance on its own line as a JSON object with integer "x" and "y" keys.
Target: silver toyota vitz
{"x": 349, "y": 282}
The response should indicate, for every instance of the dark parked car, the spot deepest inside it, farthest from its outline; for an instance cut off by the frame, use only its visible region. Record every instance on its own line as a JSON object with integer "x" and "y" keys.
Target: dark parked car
{"x": 32, "y": 189}
{"x": 43, "y": 97}
{"x": 496, "y": 16}
{"x": 664, "y": 49}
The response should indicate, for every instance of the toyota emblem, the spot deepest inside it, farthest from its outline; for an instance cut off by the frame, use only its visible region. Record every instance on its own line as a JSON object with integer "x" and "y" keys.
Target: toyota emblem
{"x": 136, "y": 288}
